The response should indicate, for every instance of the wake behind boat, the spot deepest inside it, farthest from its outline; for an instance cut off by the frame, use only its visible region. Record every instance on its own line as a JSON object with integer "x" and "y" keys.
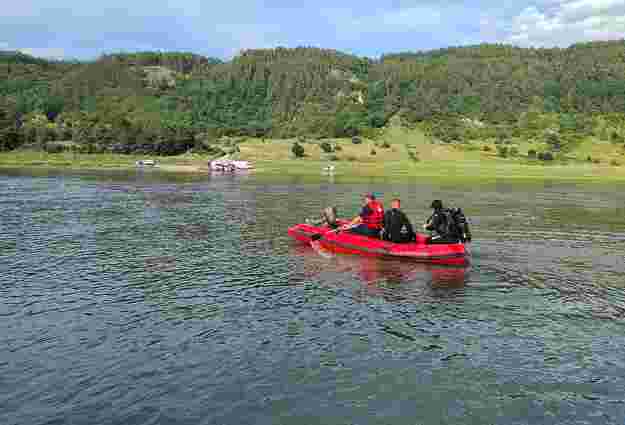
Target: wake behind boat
{"x": 342, "y": 241}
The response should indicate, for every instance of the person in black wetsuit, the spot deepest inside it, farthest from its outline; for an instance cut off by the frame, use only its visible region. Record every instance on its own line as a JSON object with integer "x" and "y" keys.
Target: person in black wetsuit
{"x": 397, "y": 227}
{"x": 441, "y": 225}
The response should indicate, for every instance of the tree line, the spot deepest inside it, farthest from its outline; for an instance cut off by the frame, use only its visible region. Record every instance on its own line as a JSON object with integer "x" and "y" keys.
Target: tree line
{"x": 170, "y": 102}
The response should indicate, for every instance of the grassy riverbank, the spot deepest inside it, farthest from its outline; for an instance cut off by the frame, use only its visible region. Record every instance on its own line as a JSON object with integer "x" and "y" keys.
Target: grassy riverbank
{"x": 401, "y": 155}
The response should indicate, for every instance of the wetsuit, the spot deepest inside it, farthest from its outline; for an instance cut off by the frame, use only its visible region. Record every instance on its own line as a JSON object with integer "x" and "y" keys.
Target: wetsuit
{"x": 397, "y": 227}
{"x": 442, "y": 231}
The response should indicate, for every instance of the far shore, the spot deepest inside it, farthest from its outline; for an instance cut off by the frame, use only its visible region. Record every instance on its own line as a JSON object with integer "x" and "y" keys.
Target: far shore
{"x": 453, "y": 170}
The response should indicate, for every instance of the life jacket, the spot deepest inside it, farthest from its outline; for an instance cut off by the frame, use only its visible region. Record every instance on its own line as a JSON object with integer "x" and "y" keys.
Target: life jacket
{"x": 375, "y": 220}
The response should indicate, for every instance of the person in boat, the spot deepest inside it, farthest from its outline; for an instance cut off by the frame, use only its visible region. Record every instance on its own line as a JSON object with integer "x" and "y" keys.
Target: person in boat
{"x": 441, "y": 225}
{"x": 397, "y": 227}
{"x": 370, "y": 221}
{"x": 328, "y": 218}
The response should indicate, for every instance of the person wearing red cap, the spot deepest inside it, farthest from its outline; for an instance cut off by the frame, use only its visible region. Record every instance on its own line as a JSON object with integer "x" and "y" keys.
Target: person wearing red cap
{"x": 371, "y": 218}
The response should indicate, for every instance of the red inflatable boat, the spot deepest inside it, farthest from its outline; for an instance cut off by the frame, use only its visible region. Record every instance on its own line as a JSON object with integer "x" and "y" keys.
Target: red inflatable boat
{"x": 343, "y": 241}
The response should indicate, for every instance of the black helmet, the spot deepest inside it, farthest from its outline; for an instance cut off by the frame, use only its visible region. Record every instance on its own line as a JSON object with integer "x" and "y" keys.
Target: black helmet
{"x": 437, "y": 204}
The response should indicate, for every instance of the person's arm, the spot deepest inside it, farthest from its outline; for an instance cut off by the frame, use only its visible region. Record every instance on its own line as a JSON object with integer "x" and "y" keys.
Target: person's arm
{"x": 386, "y": 225}
{"x": 467, "y": 232}
{"x": 358, "y": 219}
{"x": 432, "y": 222}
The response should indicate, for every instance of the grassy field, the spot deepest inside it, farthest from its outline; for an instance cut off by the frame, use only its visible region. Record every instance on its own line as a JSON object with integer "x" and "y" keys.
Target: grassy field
{"x": 98, "y": 161}
{"x": 407, "y": 155}
{"x": 433, "y": 161}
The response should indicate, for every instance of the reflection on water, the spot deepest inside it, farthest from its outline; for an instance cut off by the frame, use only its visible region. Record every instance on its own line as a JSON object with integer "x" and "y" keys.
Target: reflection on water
{"x": 392, "y": 279}
{"x": 132, "y": 299}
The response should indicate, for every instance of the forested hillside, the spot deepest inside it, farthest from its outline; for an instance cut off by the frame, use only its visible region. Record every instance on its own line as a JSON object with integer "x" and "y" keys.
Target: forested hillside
{"x": 170, "y": 102}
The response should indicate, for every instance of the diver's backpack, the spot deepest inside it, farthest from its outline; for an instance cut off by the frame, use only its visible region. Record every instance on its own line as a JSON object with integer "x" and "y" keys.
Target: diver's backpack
{"x": 454, "y": 225}
{"x": 457, "y": 224}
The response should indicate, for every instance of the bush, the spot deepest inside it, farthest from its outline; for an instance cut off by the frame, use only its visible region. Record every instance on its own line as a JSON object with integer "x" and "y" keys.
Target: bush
{"x": 502, "y": 151}
{"x": 531, "y": 154}
{"x": 545, "y": 156}
{"x": 486, "y": 148}
{"x": 338, "y": 148}
{"x": 615, "y": 137}
{"x": 413, "y": 156}
{"x": 10, "y": 139}
{"x": 373, "y": 152}
{"x": 51, "y": 147}
{"x": 467, "y": 147}
{"x": 298, "y": 150}
{"x": 385, "y": 145}
{"x": 351, "y": 158}
{"x": 209, "y": 149}
{"x": 589, "y": 158}
{"x": 615, "y": 163}
{"x": 326, "y": 147}
{"x": 356, "y": 140}
{"x": 514, "y": 151}
{"x": 552, "y": 138}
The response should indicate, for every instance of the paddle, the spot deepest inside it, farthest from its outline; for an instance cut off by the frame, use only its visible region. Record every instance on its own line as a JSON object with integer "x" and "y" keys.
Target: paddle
{"x": 318, "y": 236}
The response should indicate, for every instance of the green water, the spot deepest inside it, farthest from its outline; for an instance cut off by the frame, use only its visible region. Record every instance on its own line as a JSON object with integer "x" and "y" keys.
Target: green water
{"x": 135, "y": 299}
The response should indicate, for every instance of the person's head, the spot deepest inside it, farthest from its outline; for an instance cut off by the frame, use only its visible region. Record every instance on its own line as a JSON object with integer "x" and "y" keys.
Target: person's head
{"x": 368, "y": 197}
{"x": 329, "y": 214}
{"x": 437, "y": 204}
{"x": 396, "y": 204}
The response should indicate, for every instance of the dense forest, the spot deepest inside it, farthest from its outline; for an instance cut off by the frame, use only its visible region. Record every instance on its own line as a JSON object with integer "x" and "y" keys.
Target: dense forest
{"x": 168, "y": 103}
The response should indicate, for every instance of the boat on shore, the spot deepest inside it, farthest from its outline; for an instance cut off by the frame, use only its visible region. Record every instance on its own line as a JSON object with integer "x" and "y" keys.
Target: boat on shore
{"x": 342, "y": 241}
{"x": 229, "y": 165}
{"x": 146, "y": 163}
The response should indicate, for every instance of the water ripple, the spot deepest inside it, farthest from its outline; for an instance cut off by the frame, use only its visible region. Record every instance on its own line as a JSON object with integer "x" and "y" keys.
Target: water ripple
{"x": 147, "y": 301}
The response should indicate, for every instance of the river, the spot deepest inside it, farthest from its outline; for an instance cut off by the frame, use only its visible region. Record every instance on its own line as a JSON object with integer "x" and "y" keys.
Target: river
{"x": 139, "y": 300}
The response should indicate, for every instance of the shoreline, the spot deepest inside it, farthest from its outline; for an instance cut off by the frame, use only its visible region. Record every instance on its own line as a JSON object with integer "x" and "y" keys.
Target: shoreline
{"x": 484, "y": 172}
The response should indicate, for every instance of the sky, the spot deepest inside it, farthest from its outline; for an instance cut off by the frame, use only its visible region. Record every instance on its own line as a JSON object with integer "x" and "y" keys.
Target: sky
{"x": 80, "y": 29}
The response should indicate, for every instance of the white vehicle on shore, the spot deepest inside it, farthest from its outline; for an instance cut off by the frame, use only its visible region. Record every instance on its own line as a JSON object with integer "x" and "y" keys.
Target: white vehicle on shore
{"x": 229, "y": 165}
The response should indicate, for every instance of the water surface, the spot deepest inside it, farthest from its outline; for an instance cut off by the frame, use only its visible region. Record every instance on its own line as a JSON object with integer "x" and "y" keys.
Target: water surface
{"x": 137, "y": 299}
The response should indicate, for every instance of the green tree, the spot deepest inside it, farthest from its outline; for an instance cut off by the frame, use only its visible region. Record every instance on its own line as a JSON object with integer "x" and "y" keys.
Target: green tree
{"x": 298, "y": 150}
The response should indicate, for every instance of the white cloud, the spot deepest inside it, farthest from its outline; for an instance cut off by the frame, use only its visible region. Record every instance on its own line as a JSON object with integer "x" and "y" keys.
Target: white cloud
{"x": 563, "y": 23}
{"x": 44, "y": 52}
{"x": 581, "y": 9}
